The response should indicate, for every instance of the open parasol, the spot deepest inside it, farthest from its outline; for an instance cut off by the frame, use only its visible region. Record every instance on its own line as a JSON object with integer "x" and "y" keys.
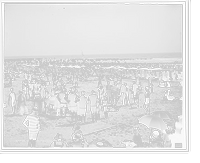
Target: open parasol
{"x": 152, "y": 121}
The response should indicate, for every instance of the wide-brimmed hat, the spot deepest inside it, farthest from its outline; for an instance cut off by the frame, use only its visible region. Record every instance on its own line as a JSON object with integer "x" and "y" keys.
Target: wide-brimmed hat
{"x": 58, "y": 136}
{"x": 35, "y": 108}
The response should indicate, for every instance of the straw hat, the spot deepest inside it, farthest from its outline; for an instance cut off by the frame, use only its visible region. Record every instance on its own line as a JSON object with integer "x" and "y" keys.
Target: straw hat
{"x": 35, "y": 108}
{"x": 58, "y": 136}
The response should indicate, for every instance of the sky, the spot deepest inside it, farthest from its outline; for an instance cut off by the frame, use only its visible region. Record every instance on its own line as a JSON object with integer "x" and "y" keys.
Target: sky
{"x": 92, "y": 29}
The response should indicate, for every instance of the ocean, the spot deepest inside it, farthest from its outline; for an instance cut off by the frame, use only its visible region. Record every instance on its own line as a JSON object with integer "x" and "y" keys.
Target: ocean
{"x": 100, "y": 56}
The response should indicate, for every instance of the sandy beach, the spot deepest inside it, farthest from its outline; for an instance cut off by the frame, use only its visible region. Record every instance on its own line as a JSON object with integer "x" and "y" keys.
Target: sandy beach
{"x": 119, "y": 124}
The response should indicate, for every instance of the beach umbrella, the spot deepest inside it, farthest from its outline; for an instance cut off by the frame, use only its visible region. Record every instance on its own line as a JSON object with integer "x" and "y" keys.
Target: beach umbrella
{"x": 163, "y": 115}
{"x": 152, "y": 121}
{"x": 100, "y": 144}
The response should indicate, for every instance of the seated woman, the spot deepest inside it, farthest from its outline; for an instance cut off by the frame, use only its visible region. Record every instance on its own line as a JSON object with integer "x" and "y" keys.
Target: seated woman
{"x": 77, "y": 136}
{"x": 58, "y": 141}
{"x": 156, "y": 139}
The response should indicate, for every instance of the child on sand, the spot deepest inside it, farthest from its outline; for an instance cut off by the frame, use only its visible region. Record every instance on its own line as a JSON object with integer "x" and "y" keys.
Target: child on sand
{"x": 78, "y": 140}
{"x": 147, "y": 99}
{"x": 101, "y": 92}
{"x": 12, "y": 98}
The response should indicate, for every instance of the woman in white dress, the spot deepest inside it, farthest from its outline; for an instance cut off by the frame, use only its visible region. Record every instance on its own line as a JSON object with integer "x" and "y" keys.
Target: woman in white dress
{"x": 21, "y": 104}
{"x": 137, "y": 139}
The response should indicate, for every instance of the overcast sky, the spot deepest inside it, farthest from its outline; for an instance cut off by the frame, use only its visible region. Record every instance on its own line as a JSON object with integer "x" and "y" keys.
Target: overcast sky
{"x": 92, "y": 29}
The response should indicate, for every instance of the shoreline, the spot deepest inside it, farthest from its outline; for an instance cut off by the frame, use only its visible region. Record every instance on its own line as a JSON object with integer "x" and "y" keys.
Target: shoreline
{"x": 127, "y": 60}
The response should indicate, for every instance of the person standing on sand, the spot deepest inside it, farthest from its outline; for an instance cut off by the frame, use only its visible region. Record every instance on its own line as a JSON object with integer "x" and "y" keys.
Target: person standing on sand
{"x": 151, "y": 84}
{"x": 33, "y": 125}
{"x": 100, "y": 78}
{"x": 147, "y": 99}
{"x": 93, "y": 105}
{"x": 123, "y": 93}
{"x": 114, "y": 93}
{"x": 12, "y": 100}
{"x": 101, "y": 93}
{"x": 73, "y": 103}
{"x": 21, "y": 103}
{"x": 82, "y": 107}
{"x": 108, "y": 91}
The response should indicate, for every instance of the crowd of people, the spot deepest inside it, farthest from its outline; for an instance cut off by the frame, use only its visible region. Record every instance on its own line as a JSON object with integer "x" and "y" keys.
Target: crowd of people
{"x": 54, "y": 87}
{"x": 84, "y": 67}
{"x": 163, "y": 139}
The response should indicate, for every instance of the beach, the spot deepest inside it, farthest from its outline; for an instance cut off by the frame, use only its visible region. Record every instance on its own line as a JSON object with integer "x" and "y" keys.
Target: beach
{"x": 117, "y": 128}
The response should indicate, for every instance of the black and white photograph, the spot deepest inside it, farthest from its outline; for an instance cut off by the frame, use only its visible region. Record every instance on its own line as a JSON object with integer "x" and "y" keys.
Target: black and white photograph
{"x": 95, "y": 76}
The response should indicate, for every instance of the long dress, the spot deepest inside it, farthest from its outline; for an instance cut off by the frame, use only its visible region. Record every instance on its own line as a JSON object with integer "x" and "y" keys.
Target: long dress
{"x": 21, "y": 105}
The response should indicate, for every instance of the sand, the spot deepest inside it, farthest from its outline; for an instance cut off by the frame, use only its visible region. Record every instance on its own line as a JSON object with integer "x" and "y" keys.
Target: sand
{"x": 121, "y": 123}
